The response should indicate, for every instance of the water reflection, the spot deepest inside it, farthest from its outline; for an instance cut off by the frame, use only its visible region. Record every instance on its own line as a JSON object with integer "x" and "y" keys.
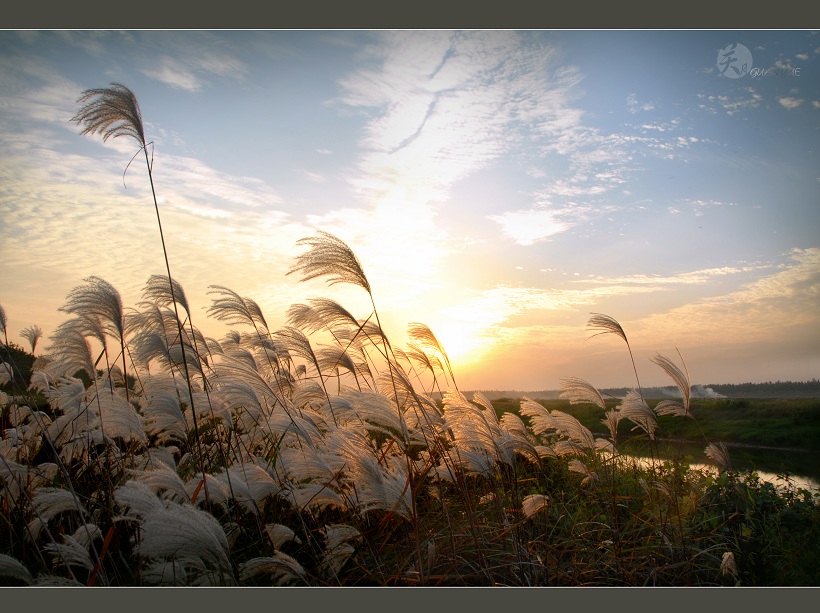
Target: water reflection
{"x": 797, "y": 481}
{"x": 802, "y": 467}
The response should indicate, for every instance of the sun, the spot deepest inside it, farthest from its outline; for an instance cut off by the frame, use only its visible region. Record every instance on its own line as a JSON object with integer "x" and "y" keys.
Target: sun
{"x": 462, "y": 342}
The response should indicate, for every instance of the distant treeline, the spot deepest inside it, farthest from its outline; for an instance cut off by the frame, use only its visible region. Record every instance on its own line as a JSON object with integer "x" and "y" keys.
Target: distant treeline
{"x": 769, "y": 389}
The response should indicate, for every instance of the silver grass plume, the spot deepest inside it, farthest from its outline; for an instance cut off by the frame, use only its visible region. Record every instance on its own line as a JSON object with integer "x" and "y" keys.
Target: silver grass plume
{"x": 577, "y": 466}
{"x": 540, "y": 419}
{"x": 15, "y": 479}
{"x": 534, "y": 503}
{"x": 604, "y": 324}
{"x": 160, "y": 406}
{"x": 112, "y": 112}
{"x": 164, "y": 481}
{"x": 70, "y": 553}
{"x": 334, "y": 357}
{"x": 569, "y": 426}
{"x": 48, "y": 503}
{"x": 280, "y": 569}
{"x": 6, "y": 373}
{"x": 120, "y": 419}
{"x": 233, "y": 309}
{"x": 99, "y": 301}
{"x": 719, "y": 454}
{"x": 728, "y": 566}
{"x": 634, "y": 408}
{"x": 4, "y": 324}
{"x": 32, "y": 334}
{"x": 176, "y": 531}
{"x": 320, "y": 313}
{"x": 610, "y": 420}
{"x": 414, "y": 353}
{"x": 423, "y": 335}
{"x": 71, "y": 352}
{"x": 164, "y": 573}
{"x": 376, "y": 412}
{"x": 12, "y": 568}
{"x": 279, "y": 535}
{"x": 579, "y": 391}
{"x": 476, "y": 433}
{"x": 318, "y": 496}
{"x": 158, "y": 291}
{"x": 338, "y": 547}
{"x": 329, "y": 256}
{"x": 680, "y": 377}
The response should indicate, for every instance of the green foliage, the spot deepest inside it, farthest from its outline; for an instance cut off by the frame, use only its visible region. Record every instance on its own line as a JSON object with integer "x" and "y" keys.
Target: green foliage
{"x": 21, "y": 362}
{"x": 774, "y": 532}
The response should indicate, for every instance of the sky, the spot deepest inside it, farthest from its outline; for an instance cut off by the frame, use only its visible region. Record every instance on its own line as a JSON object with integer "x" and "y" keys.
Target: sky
{"x": 497, "y": 186}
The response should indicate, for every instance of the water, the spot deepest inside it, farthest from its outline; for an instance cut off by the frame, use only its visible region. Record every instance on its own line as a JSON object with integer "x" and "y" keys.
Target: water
{"x": 771, "y": 465}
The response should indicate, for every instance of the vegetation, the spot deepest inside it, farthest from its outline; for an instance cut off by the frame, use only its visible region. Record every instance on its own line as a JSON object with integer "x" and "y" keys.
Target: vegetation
{"x": 779, "y": 423}
{"x": 145, "y": 453}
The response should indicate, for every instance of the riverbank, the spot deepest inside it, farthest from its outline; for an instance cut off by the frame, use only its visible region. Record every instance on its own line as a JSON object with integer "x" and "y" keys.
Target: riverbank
{"x": 775, "y": 435}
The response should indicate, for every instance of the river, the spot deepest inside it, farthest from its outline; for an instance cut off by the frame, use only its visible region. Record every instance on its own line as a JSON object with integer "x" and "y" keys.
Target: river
{"x": 771, "y": 464}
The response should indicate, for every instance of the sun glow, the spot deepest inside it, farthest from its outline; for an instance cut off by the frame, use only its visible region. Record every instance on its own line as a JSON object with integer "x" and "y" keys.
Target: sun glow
{"x": 463, "y": 343}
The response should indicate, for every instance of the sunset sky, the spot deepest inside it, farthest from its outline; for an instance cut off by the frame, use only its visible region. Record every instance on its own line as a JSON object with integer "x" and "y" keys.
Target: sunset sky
{"x": 498, "y": 186}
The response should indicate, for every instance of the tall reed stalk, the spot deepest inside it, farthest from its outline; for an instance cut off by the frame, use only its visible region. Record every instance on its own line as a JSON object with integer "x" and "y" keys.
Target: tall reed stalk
{"x": 114, "y": 112}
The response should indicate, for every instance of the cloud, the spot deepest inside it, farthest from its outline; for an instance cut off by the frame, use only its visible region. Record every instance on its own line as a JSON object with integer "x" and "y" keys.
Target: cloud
{"x": 187, "y": 73}
{"x": 789, "y": 102}
{"x": 730, "y": 104}
{"x": 187, "y": 60}
{"x": 761, "y": 310}
{"x": 633, "y": 106}
{"x": 444, "y": 105}
{"x": 695, "y": 277}
{"x": 529, "y": 227}
{"x": 313, "y": 177}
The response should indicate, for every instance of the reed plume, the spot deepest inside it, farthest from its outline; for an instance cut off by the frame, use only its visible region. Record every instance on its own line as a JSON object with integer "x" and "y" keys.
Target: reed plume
{"x": 329, "y": 256}
{"x": 423, "y": 335}
{"x": 578, "y": 391}
{"x": 4, "y": 324}
{"x": 681, "y": 379}
{"x": 32, "y": 334}
{"x": 604, "y": 324}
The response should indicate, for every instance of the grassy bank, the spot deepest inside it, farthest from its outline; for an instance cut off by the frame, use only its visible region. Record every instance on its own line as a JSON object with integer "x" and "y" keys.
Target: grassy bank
{"x": 781, "y": 423}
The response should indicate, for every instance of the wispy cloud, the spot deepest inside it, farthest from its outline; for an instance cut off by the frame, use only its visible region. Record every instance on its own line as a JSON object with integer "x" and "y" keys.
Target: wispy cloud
{"x": 444, "y": 105}
{"x": 633, "y": 106}
{"x": 530, "y": 226}
{"x": 790, "y": 103}
{"x": 191, "y": 59}
{"x": 758, "y": 311}
{"x": 695, "y": 277}
{"x": 731, "y": 105}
